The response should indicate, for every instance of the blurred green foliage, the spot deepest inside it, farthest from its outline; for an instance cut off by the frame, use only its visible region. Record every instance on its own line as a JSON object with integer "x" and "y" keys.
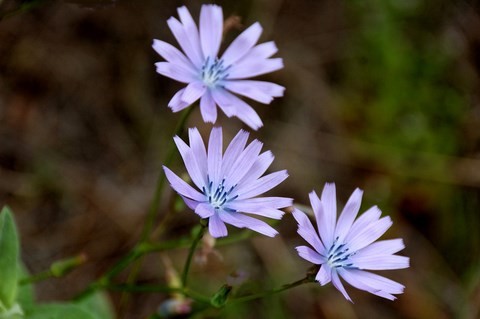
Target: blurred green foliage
{"x": 401, "y": 84}
{"x": 401, "y": 87}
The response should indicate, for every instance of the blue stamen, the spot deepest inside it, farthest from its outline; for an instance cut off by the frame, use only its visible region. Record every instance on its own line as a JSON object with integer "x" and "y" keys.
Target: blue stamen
{"x": 217, "y": 196}
{"x": 338, "y": 257}
{"x": 213, "y": 72}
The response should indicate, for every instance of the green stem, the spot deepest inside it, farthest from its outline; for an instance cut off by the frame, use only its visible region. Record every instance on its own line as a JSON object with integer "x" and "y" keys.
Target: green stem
{"x": 196, "y": 240}
{"x": 57, "y": 269}
{"x": 146, "y": 248}
{"x": 139, "y": 251}
{"x": 158, "y": 288}
{"x": 121, "y": 265}
{"x": 154, "y": 206}
{"x": 149, "y": 247}
{"x": 36, "y": 278}
{"x": 305, "y": 280}
{"x": 232, "y": 239}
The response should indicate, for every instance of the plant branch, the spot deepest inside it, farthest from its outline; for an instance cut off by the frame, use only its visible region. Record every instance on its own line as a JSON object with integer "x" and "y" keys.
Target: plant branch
{"x": 196, "y": 240}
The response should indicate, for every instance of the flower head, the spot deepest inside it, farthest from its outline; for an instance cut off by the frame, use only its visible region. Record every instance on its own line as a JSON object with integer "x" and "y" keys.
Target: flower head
{"x": 228, "y": 182}
{"x": 346, "y": 248}
{"x": 211, "y": 78}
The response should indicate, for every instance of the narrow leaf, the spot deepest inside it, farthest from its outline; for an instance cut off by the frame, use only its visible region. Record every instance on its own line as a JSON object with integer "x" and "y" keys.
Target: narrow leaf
{"x": 9, "y": 251}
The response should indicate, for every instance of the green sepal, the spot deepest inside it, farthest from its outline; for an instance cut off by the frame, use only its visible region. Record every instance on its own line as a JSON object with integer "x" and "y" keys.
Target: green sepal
{"x": 220, "y": 298}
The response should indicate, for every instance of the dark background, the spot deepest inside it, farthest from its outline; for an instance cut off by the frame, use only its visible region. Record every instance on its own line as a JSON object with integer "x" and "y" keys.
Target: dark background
{"x": 381, "y": 95}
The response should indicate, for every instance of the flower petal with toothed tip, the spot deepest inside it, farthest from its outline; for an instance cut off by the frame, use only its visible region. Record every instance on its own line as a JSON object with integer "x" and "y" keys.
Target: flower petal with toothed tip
{"x": 249, "y": 91}
{"x": 233, "y": 151}
{"x": 172, "y": 54}
{"x": 215, "y": 154}
{"x": 190, "y": 162}
{"x": 243, "y": 221}
{"x": 242, "y": 44}
{"x": 183, "y": 40}
{"x": 261, "y": 185}
{"x": 216, "y": 226}
{"x": 204, "y": 210}
{"x": 251, "y": 68}
{"x": 244, "y": 111}
{"x": 211, "y": 29}
{"x": 306, "y": 230}
{"x": 324, "y": 275}
{"x": 176, "y": 103}
{"x": 348, "y": 214}
{"x": 193, "y": 92}
{"x": 198, "y": 149}
{"x": 181, "y": 187}
{"x": 338, "y": 284}
{"x": 193, "y": 36}
{"x": 175, "y": 71}
{"x": 208, "y": 108}
{"x": 311, "y": 255}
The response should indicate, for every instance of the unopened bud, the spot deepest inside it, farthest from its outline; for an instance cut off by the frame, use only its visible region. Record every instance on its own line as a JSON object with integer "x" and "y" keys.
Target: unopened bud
{"x": 174, "y": 307}
{"x": 63, "y": 267}
{"x": 220, "y": 298}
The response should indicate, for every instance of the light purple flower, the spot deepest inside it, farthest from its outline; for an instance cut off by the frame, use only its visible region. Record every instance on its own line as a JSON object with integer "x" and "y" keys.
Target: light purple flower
{"x": 346, "y": 248}
{"x": 229, "y": 182}
{"x": 211, "y": 78}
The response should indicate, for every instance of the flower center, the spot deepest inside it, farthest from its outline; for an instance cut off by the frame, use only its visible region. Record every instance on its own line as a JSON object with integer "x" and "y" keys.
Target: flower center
{"x": 213, "y": 72}
{"x": 338, "y": 256}
{"x": 219, "y": 196}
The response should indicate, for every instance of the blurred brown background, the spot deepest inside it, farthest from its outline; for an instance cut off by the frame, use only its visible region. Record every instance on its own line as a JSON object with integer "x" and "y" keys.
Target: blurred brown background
{"x": 381, "y": 94}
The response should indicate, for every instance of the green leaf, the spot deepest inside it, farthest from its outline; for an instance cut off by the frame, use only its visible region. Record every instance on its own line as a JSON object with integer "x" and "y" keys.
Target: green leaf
{"x": 58, "y": 311}
{"x": 9, "y": 248}
{"x": 14, "y": 312}
{"x": 98, "y": 305}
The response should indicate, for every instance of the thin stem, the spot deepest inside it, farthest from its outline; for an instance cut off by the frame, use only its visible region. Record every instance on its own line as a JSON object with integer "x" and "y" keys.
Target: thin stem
{"x": 305, "y": 280}
{"x": 35, "y": 278}
{"x": 137, "y": 252}
{"x": 150, "y": 247}
{"x": 158, "y": 288}
{"x": 232, "y": 239}
{"x": 57, "y": 269}
{"x": 195, "y": 242}
{"x": 154, "y": 206}
{"x": 122, "y": 264}
{"x": 103, "y": 281}
{"x": 185, "y": 242}
{"x": 142, "y": 288}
